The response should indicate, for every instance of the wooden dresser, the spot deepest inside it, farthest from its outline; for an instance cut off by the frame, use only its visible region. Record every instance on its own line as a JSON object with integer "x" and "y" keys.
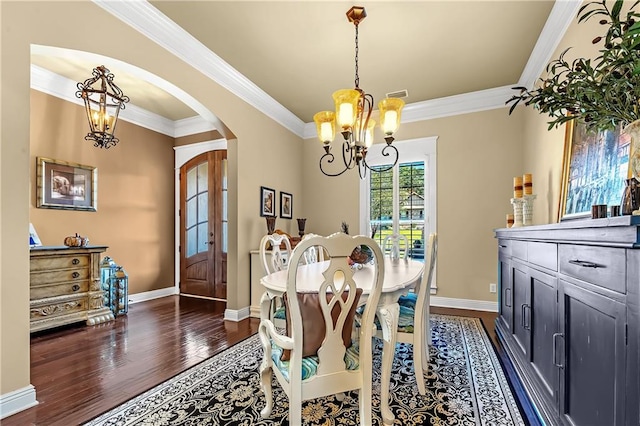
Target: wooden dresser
{"x": 65, "y": 287}
{"x": 569, "y": 322}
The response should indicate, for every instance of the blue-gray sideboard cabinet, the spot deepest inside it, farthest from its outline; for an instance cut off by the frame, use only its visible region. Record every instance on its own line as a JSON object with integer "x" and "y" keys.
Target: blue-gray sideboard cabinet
{"x": 569, "y": 321}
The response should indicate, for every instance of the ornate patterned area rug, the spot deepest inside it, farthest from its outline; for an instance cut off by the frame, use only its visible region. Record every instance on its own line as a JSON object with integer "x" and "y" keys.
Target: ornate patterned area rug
{"x": 465, "y": 386}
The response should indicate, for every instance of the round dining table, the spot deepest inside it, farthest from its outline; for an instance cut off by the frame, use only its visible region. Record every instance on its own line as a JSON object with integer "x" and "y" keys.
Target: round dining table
{"x": 400, "y": 276}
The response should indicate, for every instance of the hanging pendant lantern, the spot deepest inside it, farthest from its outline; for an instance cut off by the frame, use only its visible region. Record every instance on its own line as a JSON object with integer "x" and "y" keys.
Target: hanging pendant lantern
{"x": 103, "y": 101}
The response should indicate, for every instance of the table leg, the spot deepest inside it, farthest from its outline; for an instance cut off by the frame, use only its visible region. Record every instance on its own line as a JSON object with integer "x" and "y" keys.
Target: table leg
{"x": 388, "y": 316}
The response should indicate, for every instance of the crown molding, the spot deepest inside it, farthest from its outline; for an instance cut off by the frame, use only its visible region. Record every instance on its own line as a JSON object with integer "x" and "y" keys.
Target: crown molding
{"x": 561, "y": 16}
{"x": 61, "y": 87}
{"x": 152, "y": 23}
{"x": 149, "y": 21}
{"x": 191, "y": 126}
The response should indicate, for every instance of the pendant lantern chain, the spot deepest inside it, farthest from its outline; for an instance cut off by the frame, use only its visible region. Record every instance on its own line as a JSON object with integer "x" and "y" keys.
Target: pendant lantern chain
{"x": 357, "y": 80}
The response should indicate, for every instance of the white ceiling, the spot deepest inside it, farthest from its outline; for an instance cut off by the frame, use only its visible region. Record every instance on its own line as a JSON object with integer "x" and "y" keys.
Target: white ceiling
{"x": 299, "y": 52}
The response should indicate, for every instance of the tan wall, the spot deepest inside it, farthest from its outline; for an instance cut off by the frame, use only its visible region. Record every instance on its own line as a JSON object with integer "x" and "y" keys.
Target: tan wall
{"x": 477, "y": 156}
{"x": 543, "y": 148}
{"x": 135, "y": 214}
{"x": 254, "y": 153}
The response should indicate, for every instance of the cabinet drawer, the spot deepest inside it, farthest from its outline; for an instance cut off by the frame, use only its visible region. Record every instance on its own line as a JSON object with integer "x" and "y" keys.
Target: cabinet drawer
{"x": 519, "y": 249}
{"x": 51, "y": 308}
{"x": 49, "y": 277}
{"x": 602, "y": 266}
{"x": 61, "y": 262}
{"x": 543, "y": 254}
{"x": 43, "y": 291}
{"x": 504, "y": 247}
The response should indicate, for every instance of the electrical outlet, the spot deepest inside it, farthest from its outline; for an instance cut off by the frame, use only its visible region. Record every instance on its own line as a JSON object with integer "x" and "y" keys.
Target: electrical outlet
{"x": 493, "y": 288}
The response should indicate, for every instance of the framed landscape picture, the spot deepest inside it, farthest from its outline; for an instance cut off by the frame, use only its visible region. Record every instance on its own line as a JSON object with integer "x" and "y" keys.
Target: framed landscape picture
{"x": 65, "y": 185}
{"x": 595, "y": 167}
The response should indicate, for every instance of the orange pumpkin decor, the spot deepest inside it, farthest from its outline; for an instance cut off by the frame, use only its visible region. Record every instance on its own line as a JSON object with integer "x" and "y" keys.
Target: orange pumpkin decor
{"x": 76, "y": 241}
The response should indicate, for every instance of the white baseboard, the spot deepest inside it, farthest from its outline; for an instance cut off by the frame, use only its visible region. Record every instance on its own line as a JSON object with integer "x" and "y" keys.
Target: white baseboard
{"x": 236, "y": 315}
{"x": 153, "y": 294}
{"x": 254, "y": 311}
{"x": 18, "y": 400}
{"x": 474, "y": 305}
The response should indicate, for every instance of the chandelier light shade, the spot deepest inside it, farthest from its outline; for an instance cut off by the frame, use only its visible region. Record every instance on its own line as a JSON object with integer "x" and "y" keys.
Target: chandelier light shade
{"x": 103, "y": 101}
{"x": 352, "y": 117}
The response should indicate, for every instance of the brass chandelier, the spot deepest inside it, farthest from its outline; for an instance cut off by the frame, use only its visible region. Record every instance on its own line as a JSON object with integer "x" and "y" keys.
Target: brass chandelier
{"x": 103, "y": 101}
{"x": 352, "y": 115}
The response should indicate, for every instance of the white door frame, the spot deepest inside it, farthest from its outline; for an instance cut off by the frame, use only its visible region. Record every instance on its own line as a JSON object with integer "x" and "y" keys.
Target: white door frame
{"x": 183, "y": 154}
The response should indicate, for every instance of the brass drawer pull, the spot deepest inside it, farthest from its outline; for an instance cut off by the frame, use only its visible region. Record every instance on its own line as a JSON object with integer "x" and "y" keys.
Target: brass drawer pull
{"x": 76, "y": 287}
{"x": 75, "y": 261}
{"x": 75, "y": 275}
{"x": 585, "y": 264}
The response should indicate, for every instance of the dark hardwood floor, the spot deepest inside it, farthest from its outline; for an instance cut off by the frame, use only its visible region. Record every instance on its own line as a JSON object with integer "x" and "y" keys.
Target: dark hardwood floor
{"x": 80, "y": 372}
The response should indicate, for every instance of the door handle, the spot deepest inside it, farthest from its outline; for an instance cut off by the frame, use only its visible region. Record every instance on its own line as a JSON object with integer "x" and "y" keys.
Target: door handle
{"x": 507, "y": 300}
{"x": 526, "y": 317}
{"x": 584, "y": 263}
{"x": 555, "y": 349}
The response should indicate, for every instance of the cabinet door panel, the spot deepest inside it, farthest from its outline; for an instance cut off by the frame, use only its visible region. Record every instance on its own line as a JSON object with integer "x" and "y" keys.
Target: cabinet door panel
{"x": 506, "y": 295}
{"x": 544, "y": 324}
{"x": 521, "y": 303}
{"x": 592, "y": 382}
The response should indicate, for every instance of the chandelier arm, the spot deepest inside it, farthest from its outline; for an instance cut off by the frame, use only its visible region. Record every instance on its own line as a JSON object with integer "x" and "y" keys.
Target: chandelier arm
{"x": 348, "y": 155}
{"x": 362, "y": 169}
{"x": 384, "y": 154}
{"x": 328, "y": 159}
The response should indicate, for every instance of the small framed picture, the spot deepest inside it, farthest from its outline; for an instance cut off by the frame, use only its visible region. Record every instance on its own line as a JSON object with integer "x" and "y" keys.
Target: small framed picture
{"x": 286, "y": 205}
{"x": 65, "y": 185}
{"x": 267, "y": 201}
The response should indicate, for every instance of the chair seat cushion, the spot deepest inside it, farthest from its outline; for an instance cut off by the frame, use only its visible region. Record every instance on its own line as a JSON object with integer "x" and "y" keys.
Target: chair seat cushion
{"x": 280, "y": 313}
{"x": 310, "y": 363}
{"x": 407, "y": 313}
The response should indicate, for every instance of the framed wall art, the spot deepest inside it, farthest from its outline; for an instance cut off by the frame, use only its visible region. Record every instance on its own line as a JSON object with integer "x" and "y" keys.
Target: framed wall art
{"x": 65, "y": 185}
{"x": 595, "y": 167}
{"x": 286, "y": 205}
{"x": 267, "y": 201}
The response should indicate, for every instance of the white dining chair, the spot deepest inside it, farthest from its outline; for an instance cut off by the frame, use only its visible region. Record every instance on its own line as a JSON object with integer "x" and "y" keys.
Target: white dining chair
{"x": 413, "y": 321}
{"x": 274, "y": 259}
{"x": 312, "y": 254}
{"x": 396, "y": 246}
{"x": 317, "y": 357}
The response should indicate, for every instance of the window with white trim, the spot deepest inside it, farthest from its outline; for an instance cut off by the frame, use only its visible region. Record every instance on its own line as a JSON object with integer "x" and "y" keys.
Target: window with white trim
{"x": 403, "y": 199}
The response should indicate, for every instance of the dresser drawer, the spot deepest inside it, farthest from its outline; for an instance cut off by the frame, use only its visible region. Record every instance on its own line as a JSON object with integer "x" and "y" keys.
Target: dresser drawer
{"x": 504, "y": 247}
{"x": 49, "y": 277}
{"x": 543, "y": 254}
{"x": 55, "y": 307}
{"x": 602, "y": 266}
{"x": 519, "y": 249}
{"x": 44, "y": 291}
{"x": 61, "y": 262}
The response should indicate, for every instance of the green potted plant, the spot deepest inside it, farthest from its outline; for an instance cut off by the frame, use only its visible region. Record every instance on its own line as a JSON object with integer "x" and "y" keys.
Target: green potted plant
{"x": 603, "y": 92}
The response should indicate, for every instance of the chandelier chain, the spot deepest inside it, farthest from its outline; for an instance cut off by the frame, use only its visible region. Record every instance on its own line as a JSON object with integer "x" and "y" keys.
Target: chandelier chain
{"x": 357, "y": 80}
